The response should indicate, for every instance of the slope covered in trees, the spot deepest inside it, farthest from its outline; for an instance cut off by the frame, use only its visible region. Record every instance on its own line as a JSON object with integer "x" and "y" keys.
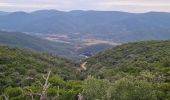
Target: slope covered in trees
{"x": 134, "y": 71}
{"x": 23, "y": 67}
{"x": 133, "y": 58}
{"x": 132, "y": 63}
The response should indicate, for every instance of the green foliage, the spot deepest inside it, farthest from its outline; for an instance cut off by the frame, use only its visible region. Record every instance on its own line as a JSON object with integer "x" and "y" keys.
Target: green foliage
{"x": 132, "y": 89}
{"x": 148, "y": 62}
{"x": 127, "y": 88}
{"x": 135, "y": 71}
{"x": 166, "y": 62}
{"x": 14, "y": 93}
{"x": 24, "y": 67}
{"x": 96, "y": 89}
{"x": 57, "y": 81}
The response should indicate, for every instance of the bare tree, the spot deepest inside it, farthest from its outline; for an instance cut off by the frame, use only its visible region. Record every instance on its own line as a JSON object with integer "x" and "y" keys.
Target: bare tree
{"x": 45, "y": 87}
{"x": 6, "y": 97}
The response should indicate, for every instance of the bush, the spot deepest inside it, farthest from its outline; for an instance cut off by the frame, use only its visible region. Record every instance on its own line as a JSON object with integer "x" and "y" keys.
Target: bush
{"x": 56, "y": 81}
{"x": 132, "y": 89}
{"x": 95, "y": 89}
{"x": 127, "y": 88}
{"x": 14, "y": 93}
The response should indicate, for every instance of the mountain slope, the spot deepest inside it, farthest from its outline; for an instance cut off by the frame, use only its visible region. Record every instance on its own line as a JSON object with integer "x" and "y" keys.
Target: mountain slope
{"x": 59, "y": 22}
{"x": 132, "y": 58}
{"x": 118, "y": 26}
{"x": 132, "y": 68}
{"x": 21, "y": 40}
{"x": 23, "y": 67}
{"x": 131, "y": 71}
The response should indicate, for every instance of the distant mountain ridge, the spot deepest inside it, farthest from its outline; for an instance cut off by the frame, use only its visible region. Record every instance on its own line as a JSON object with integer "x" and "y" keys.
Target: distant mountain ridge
{"x": 118, "y": 26}
{"x": 3, "y": 13}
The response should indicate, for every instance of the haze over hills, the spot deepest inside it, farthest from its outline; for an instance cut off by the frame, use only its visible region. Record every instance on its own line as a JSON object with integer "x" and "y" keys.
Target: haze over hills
{"x": 116, "y": 26}
{"x": 67, "y": 49}
{"x": 76, "y": 33}
{"x": 20, "y": 40}
{"x": 2, "y": 12}
{"x": 90, "y": 54}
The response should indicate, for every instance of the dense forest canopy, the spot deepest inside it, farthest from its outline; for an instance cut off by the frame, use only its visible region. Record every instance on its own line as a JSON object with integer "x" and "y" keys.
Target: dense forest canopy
{"x": 133, "y": 71}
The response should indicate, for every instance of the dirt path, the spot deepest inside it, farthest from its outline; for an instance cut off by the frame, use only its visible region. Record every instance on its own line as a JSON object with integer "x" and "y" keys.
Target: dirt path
{"x": 83, "y": 66}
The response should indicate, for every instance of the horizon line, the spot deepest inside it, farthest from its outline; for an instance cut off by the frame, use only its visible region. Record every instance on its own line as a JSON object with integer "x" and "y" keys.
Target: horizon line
{"x": 83, "y": 10}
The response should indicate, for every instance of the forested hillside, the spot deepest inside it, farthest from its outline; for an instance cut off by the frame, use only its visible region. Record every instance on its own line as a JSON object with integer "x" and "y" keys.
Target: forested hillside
{"x": 133, "y": 71}
{"x": 132, "y": 63}
{"x": 20, "y": 68}
{"x": 133, "y": 58}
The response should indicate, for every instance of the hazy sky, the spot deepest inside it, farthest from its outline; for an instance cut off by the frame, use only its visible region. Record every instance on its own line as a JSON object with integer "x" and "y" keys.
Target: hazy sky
{"x": 67, "y": 5}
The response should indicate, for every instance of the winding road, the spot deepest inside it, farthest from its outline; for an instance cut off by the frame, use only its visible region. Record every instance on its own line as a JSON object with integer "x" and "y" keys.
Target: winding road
{"x": 83, "y": 66}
